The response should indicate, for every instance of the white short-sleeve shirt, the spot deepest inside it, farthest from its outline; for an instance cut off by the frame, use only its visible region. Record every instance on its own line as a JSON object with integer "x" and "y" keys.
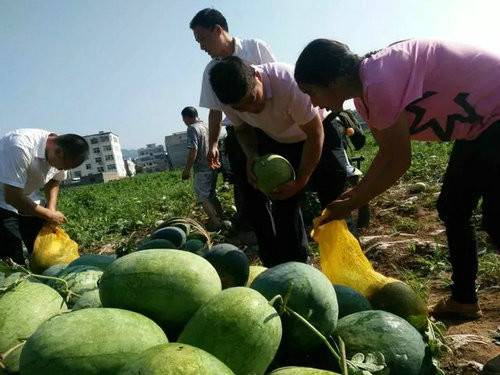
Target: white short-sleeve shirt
{"x": 23, "y": 164}
{"x": 286, "y": 107}
{"x": 252, "y": 51}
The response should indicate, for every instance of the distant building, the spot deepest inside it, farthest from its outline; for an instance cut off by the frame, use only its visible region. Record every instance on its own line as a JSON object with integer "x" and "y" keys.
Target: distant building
{"x": 105, "y": 157}
{"x": 176, "y": 146}
{"x": 152, "y": 158}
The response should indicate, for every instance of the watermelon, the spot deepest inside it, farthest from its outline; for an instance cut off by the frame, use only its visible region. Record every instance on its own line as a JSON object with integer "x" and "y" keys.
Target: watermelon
{"x": 292, "y": 370}
{"x": 310, "y": 294}
{"x": 175, "y": 359}
{"x": 22, "y": 309}
{"x": 239, "y": 327}
{"x": 89, "y": 341}
{"x": 88, "y": 299}
{"x": 380, "y": 331}
{"x": 80, "y": 279}
{"x": 272, "y": 171}
{"x": 254, "y": 271}
{"x": 155, "y": 243}
{"x": 231, "y": 264}
{"x": 95, "y": 260}
{"x": 196, "y": 236}
{"x": 350, "y": 301}
{"x": 194, "y": 245}
{"x": 54, "y": 270}
{"x": 398, "y": 298}
{"x": 167, "y": 286}
{"x": 174, "y": 234}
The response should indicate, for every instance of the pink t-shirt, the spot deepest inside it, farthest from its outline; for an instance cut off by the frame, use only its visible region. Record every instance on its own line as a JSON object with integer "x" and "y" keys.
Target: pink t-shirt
{"x": 286, "y": 106}
{"x": 449, "y": 91}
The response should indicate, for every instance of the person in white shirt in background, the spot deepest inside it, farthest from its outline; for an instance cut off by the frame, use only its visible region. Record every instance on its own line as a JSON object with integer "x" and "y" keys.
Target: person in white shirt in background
{"x": 30, "y": 160}
{"x": 211, "y": 31}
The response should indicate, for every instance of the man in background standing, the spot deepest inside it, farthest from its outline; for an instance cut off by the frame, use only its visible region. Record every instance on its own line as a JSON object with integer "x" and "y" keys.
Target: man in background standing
{"x": 205, "y": 178}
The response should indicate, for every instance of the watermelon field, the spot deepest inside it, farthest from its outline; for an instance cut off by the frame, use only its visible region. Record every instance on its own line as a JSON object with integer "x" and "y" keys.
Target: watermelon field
{"x": 152, "y": 292}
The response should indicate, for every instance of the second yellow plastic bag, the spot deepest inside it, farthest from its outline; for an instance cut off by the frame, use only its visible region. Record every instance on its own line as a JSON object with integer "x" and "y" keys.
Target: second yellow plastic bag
{"x": 343, "y": 261}
{"x": 52, "y": 246}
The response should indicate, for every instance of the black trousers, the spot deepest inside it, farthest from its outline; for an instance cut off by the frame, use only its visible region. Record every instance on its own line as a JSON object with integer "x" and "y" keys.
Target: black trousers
{"x": 16, "y": 229}
{"x": 473, "y": 173}
{"x": 278, "y": 225}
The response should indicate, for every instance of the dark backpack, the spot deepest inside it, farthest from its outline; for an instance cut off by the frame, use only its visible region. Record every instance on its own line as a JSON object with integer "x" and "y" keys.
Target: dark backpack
{"x": 348, "y": 120}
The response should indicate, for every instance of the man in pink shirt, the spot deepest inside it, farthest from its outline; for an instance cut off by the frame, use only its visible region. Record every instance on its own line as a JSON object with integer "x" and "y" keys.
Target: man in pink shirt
{"x": 423, "y": 90}
{"x": 271, "y": 115}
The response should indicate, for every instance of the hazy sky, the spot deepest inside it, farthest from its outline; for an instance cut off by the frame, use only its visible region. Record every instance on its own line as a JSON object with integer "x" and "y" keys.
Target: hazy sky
{"x": 131, "y": 66}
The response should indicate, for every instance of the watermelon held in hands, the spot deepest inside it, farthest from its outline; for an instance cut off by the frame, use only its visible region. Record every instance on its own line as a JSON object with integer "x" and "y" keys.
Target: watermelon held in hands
{"x": 22, "y": 309}
{"x": 272, "y": 171}
{"x": 231, "y": 264}
{"x": 239, "y": 327}
{"x": 374, "y": 331}
{"x": 175, "y": 359}
{"x": 173, "y": 234}
{"x": 167, "y": 286}
{"x": 89, "y": 341}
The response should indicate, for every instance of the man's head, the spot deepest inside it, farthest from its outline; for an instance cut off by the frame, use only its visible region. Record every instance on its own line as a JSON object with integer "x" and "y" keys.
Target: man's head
{"x": 189, "y": 115}
{"x": 211, "y": 32}
{"x": 238, "y": 85}
{"x": 66, "y": 151}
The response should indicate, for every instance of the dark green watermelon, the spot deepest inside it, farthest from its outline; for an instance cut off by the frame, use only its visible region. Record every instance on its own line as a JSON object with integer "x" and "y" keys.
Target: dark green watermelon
{"x": 96, "y": 260}
{"x": 173, "y": 234}
{"x": 193, "y": 245}
{"x": 292, "y": 370}
{"x": 239, "y": 327}
{"x": 175, "y": 359}
{"x": 155, "y": 243}
{"x": 231, "y": 264}
{"x": 350, "y": 301}
{"x": 54, "y": 270}
{"x": 398, "y": 298}
{"x": 310, "y": 294}
{"x": 379, "y": 331}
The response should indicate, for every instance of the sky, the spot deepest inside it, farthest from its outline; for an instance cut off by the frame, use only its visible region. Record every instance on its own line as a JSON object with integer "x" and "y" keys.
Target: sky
{"x": 130, "y": 66}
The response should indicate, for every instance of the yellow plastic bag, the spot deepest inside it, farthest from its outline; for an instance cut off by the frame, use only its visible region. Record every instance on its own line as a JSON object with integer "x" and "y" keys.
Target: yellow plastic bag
{"x": 343, "y": 261}
{"x": 52, "y": 246}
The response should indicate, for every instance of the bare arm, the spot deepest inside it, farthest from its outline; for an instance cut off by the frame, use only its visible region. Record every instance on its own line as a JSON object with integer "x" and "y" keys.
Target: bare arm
{"x": 16, "y": 198}
{"x": 392, "y": 160}
{"x": 51, "y": 191}
{"x": 248, "y": 141}
{"x": 191, "y": 157}
{"x": 214, "y": 125}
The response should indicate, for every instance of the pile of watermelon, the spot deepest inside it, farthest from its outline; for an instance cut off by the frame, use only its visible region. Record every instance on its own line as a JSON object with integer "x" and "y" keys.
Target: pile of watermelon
{"x": 178, "y": 305}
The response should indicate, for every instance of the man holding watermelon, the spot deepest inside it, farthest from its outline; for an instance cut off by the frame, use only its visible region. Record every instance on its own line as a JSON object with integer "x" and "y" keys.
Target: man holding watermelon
{"x": 265, "y": 98}
{"x": 30, "y": 160}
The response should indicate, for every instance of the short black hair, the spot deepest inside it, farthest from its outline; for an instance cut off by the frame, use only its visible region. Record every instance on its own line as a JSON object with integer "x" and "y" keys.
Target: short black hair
{"x": 231, "y": 79}
{"x": 189, "y": 112}
{"x": 75, "y": 148}
{"x": 324, "y": 61}
{"x": 209, "y": 18}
